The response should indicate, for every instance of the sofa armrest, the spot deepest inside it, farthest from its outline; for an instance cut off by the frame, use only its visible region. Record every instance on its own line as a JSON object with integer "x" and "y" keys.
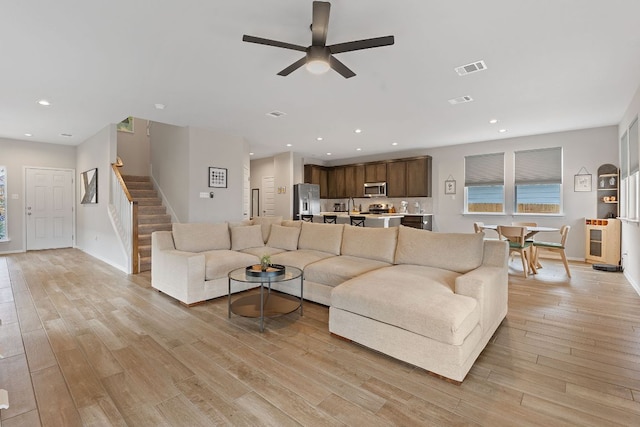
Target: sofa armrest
{"x": 175, "y": 272}
{"x": 488, "y": 284}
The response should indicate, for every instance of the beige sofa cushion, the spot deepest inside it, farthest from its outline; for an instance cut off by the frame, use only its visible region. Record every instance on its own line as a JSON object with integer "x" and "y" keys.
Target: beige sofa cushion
{"x": 218, "y": 264}
{"x": 244, "y": 237}
{"x": 415, "y": 298}
{"x": 336, "y": 270}
{"x": 459, "y": 252}
{"x": 300, "y": 258}
{"x": 371, "y": 243}
{"x": 291, "y": 223}
{"x": 321, "y": 237}
{"x": 284, "y": 237}
{"x": 200, "y": 237}
{"x": 265, "y": 222}
{"x": 262, "y": 251}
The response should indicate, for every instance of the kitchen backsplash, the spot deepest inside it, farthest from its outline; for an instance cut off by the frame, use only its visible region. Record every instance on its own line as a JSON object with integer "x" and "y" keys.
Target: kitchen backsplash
{"x": 425, "y": 203}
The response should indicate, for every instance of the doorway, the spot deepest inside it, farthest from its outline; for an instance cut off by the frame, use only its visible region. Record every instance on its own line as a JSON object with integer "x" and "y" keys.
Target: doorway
{"x": 49, "y": 203}
{"x": 268, "y": 196}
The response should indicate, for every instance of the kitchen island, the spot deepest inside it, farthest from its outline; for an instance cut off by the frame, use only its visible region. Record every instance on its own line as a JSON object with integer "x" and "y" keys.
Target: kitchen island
{"x": 371, "y": 220}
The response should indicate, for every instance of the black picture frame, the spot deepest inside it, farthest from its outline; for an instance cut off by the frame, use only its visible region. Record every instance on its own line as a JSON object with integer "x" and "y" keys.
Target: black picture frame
{"x": 217, "y": 177}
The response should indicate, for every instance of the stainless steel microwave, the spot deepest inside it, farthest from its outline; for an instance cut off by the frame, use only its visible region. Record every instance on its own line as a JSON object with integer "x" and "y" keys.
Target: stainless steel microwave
{"x": 375, "y": 189}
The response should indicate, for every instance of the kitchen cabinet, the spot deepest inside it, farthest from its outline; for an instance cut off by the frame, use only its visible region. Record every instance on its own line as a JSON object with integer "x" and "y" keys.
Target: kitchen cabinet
{"x": 315, "y": 174}
{"x": 375, "y": 172}
{"x": 397, "y": 178}
{"x": 423, "y": 222}
{"x": 354, "y": 177}
{"x": 418, "y": 179}
{"x": 336, "y": 183}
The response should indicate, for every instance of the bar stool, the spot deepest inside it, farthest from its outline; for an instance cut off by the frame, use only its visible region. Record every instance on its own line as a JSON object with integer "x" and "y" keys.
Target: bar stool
{"x": 306, "y": 218}
{"x": 357, "y": 221}
{"x": 330, "y": 219}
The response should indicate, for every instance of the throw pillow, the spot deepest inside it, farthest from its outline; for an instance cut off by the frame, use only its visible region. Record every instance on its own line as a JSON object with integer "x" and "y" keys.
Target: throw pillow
{"x": 284, "y": 237}
{"x": 265, "y": 222}
{"x": 321, "y": 237}
{"x": 249, "y": 236}
{"x": 369, "y": 242}
{"x": 200, "y": 237}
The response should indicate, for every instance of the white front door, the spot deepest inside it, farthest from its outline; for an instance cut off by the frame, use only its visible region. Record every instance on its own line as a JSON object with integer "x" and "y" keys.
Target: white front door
{"x": 49, "y": 208}
{"x": 268, "y": 196}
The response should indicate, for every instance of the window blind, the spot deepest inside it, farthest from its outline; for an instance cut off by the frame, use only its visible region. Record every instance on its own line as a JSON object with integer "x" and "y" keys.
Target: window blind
{"x": 483, "y": 170}
{"x": 624, "y": 156}
{"x": 542, "y": 166}
{"x": 634, "y": 157}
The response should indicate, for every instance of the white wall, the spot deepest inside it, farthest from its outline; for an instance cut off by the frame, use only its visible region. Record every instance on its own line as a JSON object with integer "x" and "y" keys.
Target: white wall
{"x": 631, "y": 230}
{"x": 95, "y": 234}
{"x": 134, "y": 149}
{"x": 169, "y": 166}
{"x": 16, "y": 155}
{"x": 587, "y": 148}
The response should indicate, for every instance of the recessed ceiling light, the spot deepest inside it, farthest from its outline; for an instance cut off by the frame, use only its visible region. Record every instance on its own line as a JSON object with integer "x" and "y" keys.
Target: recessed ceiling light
{"x": 394, "y": 143}
{"x": 44, "y": 102}
{"x": 319, "y": 138}
{"x": 358, "y": 131}
{"x": 493, "y": 121}
{"x": 358, "y": 149}
{"x": 28, "y": 134}
{"x": 328, "y": 154}
{"x": 251, "y": 154}
{"x": 66, "y": 135}
{"x": 159, "y": 106}
{"x": 502, "y": 130}
{"x": 288, "y": 145}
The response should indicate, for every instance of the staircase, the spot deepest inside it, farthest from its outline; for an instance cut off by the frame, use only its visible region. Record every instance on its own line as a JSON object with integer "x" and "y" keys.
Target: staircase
{"x": 152, "y": 216}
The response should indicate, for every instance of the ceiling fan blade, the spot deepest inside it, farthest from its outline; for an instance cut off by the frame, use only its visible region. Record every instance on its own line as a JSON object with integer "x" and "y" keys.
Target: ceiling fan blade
{"x": 320, "y": 23}
{"x": 291, "y": 68}
{"x": 361, "y": 44}
{"x": 342, "y": 69}
{"x": 275, "y": 43}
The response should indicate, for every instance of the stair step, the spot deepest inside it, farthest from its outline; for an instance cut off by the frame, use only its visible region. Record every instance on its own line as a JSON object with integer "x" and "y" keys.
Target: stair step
{"x": 144, "y": 251}
{"x": 154, "y": 219}
{"x": 150, "y": 228}
{"x": 143, "y": 194}
{"x": 139, "y": 185}
{"x": 144, "y": 264}
{"x": 152, "y": 210}
{"x": 131, "y": 178}
{"x": 144, "y": 240}
{"x": 152, "y": 201}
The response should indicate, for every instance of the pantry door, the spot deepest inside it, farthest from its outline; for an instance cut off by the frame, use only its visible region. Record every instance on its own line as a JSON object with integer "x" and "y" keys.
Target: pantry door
{"x": 49, "y": 208}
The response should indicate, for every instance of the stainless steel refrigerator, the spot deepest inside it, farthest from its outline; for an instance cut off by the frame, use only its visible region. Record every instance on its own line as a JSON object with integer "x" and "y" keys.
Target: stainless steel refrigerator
{"x": 306, "y": 200}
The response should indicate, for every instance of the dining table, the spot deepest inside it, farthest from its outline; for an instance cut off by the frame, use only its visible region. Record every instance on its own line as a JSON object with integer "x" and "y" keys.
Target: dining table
{"x": 532, "y": 230}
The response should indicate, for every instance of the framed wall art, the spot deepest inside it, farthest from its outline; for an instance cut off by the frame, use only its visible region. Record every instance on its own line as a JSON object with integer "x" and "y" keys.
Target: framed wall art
{"x": 218, "y": 177}
{"x": 450, "y": 186}
{"x": 89, "y": 186}
{"x": 582, "y": 181}
{"x": 126, "y": 125}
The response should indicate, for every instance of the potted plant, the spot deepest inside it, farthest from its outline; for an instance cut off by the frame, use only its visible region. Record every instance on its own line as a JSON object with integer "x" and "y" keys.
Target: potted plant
{"x": 265, "y": 262}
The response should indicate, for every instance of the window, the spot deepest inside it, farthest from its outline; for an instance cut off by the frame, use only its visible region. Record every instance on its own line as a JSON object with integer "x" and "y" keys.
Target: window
{"x": 3, "y": 203}
{"x": 624, "y": 175}
{"x": 484, "y": 183}
{"x": 538, "y": 181}
{"x": 634, "y": 171}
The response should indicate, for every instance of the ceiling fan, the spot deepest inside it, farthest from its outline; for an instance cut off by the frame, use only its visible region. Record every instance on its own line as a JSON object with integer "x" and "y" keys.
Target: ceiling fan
{"x": 319, "y": 57}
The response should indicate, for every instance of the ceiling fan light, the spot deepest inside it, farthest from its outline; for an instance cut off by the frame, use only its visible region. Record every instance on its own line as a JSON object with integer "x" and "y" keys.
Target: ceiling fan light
{"x": 317, "y": 66}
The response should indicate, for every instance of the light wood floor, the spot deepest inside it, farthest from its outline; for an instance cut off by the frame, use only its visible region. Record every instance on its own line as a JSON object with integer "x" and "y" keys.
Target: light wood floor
{"x": 84, "y": 344}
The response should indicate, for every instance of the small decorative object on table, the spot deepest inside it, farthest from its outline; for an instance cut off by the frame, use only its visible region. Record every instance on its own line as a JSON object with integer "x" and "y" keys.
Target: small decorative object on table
{"x": 265, "y": 261}
{"x": 265, "y": 268}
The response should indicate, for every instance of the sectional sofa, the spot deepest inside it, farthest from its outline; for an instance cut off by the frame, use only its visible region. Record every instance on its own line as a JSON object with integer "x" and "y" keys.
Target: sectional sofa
{"x": 430, "y": 299}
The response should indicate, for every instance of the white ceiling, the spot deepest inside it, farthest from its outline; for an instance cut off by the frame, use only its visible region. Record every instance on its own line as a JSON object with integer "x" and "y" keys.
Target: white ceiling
{"x": 553, "y": 65}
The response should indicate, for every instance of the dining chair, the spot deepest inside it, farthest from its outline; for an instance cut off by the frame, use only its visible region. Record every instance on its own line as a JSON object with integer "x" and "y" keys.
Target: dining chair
{"x": 555, "y": 247}
{"x": 517, "y": 243}
{"x": 330, "y": 219}
{"x": 478, "y": 227}
{"x": 306, "y": 218}
{"x": 357, "y": 221}
{"x": 531, "y": 239}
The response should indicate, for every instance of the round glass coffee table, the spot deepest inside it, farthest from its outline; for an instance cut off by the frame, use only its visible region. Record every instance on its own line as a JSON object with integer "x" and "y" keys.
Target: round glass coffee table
{"x": 267, "y": 303}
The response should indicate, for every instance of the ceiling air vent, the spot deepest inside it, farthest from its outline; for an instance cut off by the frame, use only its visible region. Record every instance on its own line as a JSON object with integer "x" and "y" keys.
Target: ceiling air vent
{"x": 460, "y": 100}
{"x": 276, "y": 114}
{"x": 474, "y": 67}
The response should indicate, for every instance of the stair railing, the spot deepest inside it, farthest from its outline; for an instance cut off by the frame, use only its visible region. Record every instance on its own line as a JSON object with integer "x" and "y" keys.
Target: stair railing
{"x": 124, "y": 214}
